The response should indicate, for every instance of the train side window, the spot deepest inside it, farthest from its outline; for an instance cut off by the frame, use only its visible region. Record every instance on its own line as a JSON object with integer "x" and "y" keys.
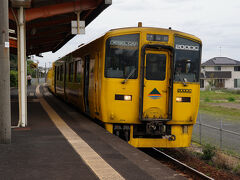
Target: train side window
{"x": 75, "y": 71}
{"x": 57, "y": 73}
{"x": 78, "y": 70}
{"x": 61, "y": 73}
{"x": 70, "y": 72}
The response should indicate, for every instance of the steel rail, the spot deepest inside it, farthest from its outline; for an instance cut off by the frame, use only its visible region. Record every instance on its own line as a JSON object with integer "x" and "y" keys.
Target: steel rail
{"x": 185, "y": 166}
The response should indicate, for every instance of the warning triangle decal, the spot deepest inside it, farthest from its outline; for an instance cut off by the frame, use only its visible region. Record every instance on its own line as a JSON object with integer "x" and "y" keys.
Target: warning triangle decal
{"x": 155, "y": 94}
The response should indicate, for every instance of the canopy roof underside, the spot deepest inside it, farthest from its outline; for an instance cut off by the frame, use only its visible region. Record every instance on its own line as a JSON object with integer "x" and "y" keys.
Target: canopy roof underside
{"x": 48, "y": 23}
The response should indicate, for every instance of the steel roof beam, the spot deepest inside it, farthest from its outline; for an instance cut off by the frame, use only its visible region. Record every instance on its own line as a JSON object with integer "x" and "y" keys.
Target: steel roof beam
{"x": 48, "y": 38}
{"x": 41, "y": 33}
{"x": 51, "y": 22}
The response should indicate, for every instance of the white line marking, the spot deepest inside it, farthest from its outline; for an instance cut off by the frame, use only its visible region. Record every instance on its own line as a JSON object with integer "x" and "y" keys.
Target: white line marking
{"x": 98, "y": 165}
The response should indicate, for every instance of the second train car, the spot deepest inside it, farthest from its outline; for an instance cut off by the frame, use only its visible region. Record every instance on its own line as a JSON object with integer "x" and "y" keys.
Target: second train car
{"x": 141, "y": 83}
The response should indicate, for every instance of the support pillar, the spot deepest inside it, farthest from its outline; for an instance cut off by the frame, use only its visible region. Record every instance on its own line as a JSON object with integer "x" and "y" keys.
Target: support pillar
{"x": 5, "y": 108}
{"x": 22, "y": 68}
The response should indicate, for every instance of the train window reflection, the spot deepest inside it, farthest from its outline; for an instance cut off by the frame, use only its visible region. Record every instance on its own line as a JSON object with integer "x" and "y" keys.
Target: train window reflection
{"x": 122, "y": 56}
{"x": 78, "y": 70}
{"x": 187, "y": 60}
{"x": 155, "y": 66}
{"x": 70, "y": 72}
{"x": 61, "y": 73}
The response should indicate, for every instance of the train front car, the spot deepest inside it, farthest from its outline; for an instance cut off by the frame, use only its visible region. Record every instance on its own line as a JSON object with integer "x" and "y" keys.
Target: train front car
{"x": 150, "y": 86}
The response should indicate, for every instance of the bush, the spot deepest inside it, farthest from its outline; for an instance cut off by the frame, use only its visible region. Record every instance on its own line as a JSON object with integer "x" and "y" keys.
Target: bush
{"x": 208, "y": 152}
{"x": 207, "y": 99}
{"x": 236, "y": 170}
{"x": 232, "y": 91}
{"x": 13, "y": 78}
{"x": 231, "y": 99}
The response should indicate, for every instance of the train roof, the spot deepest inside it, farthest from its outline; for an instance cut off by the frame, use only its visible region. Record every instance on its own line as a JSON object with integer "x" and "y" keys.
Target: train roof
{"x": 153, "y": 30}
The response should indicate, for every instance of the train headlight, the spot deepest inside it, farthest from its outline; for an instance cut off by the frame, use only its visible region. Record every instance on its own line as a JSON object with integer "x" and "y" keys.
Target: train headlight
{"x": 127, "y": 98}
{"x": 178, "y": 99}
{"x": 183, "y": 99}
{"x": 123, "y": 97}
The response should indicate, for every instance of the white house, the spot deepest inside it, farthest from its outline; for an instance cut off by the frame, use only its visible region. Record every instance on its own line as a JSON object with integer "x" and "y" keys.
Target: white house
{"x": 221, "y": 72}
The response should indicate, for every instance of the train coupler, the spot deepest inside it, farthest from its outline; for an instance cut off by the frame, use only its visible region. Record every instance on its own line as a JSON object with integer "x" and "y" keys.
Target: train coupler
{"x": 155, "y": 128}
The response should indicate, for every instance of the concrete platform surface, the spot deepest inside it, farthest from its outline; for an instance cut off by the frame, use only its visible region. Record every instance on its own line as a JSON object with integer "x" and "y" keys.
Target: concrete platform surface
{"x": 42, "y": 151}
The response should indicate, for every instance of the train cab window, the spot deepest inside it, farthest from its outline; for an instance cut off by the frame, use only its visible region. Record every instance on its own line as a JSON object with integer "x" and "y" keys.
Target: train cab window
{"x": 70, "y": 72}
{"x": 121, "y": 59}
{"x": 155, "y": 67}
{"x": 187, "y": 60}
{"x": 78, "y": 71}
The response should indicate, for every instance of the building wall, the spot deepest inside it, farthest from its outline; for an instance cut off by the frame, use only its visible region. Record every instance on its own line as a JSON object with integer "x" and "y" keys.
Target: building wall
{"x": 235, "y": 75}
{"x": 229, "y": 83}
{"x": 209, "y": 68}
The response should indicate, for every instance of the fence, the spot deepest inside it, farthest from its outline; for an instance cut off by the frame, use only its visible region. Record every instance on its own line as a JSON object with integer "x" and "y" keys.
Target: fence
{"x": 216, "y": 136}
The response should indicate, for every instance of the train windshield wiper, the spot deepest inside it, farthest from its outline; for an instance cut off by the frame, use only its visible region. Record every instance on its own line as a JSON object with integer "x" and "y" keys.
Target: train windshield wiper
{"x": 130, "y": 74}
{"x": 183, "y": 80}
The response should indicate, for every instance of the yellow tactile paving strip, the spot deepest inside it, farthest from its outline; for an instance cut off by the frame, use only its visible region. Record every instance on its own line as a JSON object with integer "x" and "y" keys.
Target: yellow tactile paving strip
{"x": 98, "y": 165}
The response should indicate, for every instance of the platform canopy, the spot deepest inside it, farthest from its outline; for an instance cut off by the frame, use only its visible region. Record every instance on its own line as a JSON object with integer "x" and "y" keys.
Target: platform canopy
{"x": 48, "y": 22}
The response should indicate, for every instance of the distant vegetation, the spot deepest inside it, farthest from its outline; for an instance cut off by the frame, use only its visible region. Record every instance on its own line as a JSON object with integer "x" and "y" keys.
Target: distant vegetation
{"x": 227, "y": 95}
{"x": 213, "y": 102}
{"x": 14, "y": 70}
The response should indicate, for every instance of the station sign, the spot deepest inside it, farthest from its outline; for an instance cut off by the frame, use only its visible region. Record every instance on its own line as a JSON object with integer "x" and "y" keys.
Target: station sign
{"x": 75, "y": 28}
{"x": 12, "y": 40}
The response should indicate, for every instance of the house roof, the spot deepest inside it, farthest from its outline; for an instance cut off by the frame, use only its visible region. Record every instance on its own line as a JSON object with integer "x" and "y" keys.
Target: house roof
{"x": 221, "y": 61}
{"x": 218, "y": 74}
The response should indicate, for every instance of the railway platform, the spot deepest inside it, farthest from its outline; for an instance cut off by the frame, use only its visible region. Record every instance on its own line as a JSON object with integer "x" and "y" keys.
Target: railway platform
{"x": 61, "y": 143}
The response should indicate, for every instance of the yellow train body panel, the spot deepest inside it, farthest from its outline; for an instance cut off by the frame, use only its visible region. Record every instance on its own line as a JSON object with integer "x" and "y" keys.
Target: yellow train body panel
{"x": 141, "y": 83}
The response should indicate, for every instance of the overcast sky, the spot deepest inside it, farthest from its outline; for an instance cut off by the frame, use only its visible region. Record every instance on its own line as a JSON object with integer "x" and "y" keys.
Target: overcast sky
{"x": 215, "y": 22}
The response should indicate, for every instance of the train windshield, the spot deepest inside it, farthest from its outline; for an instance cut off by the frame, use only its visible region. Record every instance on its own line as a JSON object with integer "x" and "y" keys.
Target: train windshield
{"x": 187, "y": 60}
{"x": 121, "y": 60}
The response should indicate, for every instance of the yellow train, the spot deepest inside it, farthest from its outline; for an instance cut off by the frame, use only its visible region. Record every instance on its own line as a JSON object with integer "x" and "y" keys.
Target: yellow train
{"x": 141, "y": 83}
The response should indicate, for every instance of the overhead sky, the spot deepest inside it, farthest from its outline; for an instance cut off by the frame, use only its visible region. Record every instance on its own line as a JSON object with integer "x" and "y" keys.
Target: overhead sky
{"x": 215, "y": 22}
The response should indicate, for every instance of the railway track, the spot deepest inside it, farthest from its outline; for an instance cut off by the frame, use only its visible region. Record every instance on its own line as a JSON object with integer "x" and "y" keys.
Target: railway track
{"x": 193, "y": 171}
{"x": 176, "y": 164}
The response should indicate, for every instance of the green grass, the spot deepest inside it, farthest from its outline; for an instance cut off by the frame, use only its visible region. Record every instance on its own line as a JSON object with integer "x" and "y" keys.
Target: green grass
{"x": 219, "y": 95}
{"x": 228, "y": 113}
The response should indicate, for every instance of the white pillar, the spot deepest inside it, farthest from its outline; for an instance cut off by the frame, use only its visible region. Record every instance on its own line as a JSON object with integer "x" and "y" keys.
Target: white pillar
{"x": 22, "y": 68}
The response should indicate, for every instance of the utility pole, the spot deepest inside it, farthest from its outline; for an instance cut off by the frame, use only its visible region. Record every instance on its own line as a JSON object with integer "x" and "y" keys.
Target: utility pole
{"x": 5, "y": 110}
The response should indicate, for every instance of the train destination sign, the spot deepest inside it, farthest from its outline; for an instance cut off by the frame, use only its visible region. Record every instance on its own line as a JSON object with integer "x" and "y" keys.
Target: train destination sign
{"x": 187, "y": 47}
{"x": 124, "y": 43}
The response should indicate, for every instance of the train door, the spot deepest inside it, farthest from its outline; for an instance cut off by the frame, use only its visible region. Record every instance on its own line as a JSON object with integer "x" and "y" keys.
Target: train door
{"x": 86, "y": 83}
{"x": 156, "y": 85}
{"x": 97, "y": 65}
